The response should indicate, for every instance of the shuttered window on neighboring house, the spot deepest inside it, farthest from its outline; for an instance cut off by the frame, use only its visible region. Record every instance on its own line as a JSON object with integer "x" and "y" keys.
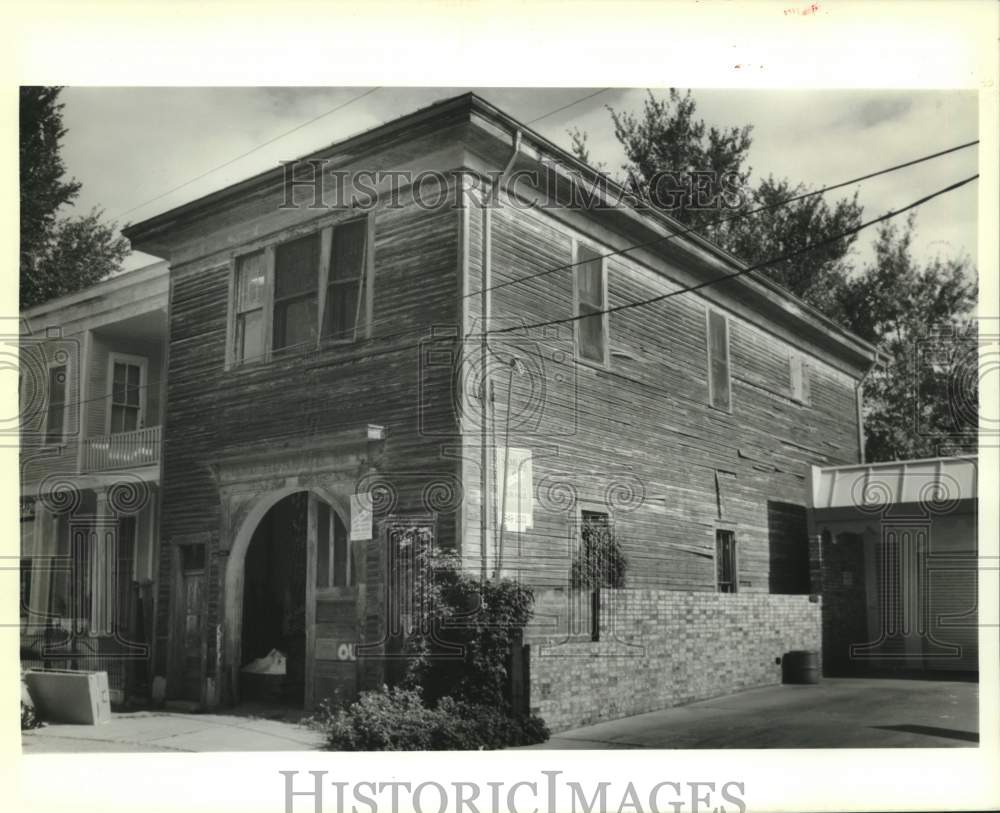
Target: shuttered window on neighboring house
{"x": 727, "y": 575}
{"x": 249, "y": 307}
{"x": 591, "y": 330}
{"x": 55, "y": 417}
{"x": 296, "y": 292}
{"x": 718, "y": 360}
{"x": 343, "y": 292}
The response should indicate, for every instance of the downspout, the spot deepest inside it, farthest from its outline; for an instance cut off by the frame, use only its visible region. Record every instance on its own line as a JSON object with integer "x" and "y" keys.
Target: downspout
{"x": 486, "y": 389}
{"x": 859, "y": 406}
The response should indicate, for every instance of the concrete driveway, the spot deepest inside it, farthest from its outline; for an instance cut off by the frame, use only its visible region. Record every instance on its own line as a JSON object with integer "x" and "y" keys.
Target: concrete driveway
{"x": 837, "y": 713}
{"x": 150, "y": 731}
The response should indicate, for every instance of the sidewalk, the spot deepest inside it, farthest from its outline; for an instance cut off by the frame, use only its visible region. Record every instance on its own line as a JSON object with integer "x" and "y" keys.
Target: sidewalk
{"x": 153, "y": 731}
{"x": 837, "y": 713}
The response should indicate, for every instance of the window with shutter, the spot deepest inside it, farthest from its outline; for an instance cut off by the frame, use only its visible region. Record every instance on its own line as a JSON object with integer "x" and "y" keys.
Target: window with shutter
{"x": 591, "y": 331}
{"x": 55, "y": 417}
{"x": 343, "y": 292}
{"x": 718, "y": 360}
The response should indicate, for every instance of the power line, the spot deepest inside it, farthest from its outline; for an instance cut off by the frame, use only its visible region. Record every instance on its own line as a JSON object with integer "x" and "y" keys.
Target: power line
{"x": 567, "y": 106}
{"x": 741, "y": 272}
{"x": 251, "y": 151}
{"x": 734, "y": 216}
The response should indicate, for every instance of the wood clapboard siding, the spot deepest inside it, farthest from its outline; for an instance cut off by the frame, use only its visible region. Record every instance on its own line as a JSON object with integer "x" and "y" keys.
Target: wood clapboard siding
{"x": 641, "y": 430}
{"x": 380, "y": 380}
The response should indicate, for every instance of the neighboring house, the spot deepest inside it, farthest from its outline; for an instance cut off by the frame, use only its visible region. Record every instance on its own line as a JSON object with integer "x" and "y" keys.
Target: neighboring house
{"x": 92, "y": 373}
{"x": 900, "y": 566}
{"x": 325, "y": 361}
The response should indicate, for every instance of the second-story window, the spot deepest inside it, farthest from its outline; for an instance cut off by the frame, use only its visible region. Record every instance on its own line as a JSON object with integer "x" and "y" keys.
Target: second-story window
{"x": 249, "y": 307}
{"x": 343, "y": 293}
{"x": 296, "y": 292}
{"x": 126, "y": 396}
{"x": 718, "y": 360}
{"x": 55, "y": 416}
{"x": 798, "y": 378}
{"x": 592, "y": 326}
{"x": 300, "y": 293}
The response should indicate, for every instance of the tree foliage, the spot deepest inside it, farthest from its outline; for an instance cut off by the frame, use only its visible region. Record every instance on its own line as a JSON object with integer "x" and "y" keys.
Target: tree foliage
{"x": 923, "y": 399}
{"x": 58, "y": 254}
{"x": 919, "y": 402}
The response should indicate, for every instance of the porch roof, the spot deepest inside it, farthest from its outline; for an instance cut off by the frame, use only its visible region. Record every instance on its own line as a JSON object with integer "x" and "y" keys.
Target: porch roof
{"x": 864, "y": 486}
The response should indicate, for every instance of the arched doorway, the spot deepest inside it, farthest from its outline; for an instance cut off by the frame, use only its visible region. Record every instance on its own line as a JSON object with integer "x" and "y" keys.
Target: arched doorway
{"x": 293, "y": 583}
{"x": 273, "y": 628}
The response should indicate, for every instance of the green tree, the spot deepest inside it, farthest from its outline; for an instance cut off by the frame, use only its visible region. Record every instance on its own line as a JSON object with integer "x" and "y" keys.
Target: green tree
{"x": 923, "y": 398}
{"x": 58, "y": 255}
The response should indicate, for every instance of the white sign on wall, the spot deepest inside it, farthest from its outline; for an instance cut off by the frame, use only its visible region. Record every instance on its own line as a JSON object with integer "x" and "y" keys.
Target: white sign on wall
{"x": 516, "y": 505}
{"x": 361, "y": 516}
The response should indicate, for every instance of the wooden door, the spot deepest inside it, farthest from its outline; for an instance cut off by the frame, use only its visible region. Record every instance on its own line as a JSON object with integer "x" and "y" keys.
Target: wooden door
{"x": 191, "y": 646}
{"x": 332, "y": 606}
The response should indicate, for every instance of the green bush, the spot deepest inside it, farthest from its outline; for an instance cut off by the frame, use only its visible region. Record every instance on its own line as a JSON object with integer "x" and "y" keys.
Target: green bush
{"x": 397, "y": 719}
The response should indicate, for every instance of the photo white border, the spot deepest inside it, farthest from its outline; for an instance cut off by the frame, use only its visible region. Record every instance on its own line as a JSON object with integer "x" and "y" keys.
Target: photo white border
{"x": 898, "y": 44}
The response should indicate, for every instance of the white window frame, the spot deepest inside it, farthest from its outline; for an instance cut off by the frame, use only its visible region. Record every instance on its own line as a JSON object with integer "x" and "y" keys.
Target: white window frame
{"x": 708, "y": 359}
{"x": 605, "y": 321}
{"x": 326, "y": 235}
{"x": 48, "y": 403}
{"x": 143, "y": 364}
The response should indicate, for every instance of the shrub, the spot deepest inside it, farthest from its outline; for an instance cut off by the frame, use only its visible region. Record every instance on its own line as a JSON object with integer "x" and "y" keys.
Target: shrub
{"x": 460, "y": 649}
{"x": 600, "y": 562}
{"x": 29, "y": 719}
{"x": 396, "y": 719}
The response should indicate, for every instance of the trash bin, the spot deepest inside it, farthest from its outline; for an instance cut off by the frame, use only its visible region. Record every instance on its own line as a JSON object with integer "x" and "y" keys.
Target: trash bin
{"x": 800, "y": 666}
{"x": 69, "y": 695}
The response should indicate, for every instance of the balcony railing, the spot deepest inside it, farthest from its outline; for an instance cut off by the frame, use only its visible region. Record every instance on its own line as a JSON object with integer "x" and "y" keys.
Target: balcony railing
{"x": 122, "y": 450}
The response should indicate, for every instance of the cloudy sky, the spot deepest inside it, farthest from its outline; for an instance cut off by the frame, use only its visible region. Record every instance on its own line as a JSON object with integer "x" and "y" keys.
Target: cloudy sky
{"x": 132, "y": 147}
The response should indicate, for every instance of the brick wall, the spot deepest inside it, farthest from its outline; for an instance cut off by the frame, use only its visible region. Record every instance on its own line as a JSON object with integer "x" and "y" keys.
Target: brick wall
{"x": 658, "y": 649}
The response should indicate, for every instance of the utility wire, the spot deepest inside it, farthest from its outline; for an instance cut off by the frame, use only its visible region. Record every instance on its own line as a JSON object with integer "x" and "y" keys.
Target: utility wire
{"x": 615, "y": 309}
{"x": 742, "y": 271}
{"x": 260, "y": 146}
{"x": 734, "y": 216}
{"x": 567, "y": 106}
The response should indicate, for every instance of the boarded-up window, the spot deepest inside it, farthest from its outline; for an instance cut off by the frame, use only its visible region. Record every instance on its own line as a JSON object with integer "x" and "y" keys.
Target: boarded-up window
{"x": 55, "y": 418}
{"x": 591, "y": 332}
{"x": 249, "y": 307}
{"x": 725, "y": 561}
{"x": 798, "y": 378}
{"x": 296, "y": 289}
{"x": 343, "y": 293}
{"x": 718, "y": 360}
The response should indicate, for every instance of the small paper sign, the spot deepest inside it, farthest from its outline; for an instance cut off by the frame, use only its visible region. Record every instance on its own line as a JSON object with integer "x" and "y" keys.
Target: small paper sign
{"x": 361, "y": 516}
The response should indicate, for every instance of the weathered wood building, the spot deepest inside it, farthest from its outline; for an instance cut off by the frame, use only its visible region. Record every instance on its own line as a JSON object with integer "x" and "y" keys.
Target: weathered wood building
{"x": 459, "y": 347}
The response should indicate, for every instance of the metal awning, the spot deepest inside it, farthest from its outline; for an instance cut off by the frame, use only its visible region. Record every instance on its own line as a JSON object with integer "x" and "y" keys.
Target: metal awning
{"x": 932, "y": 480}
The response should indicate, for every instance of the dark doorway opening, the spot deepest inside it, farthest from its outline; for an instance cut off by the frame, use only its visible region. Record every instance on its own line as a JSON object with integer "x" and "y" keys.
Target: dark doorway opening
{"x": 274, "y": 604}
